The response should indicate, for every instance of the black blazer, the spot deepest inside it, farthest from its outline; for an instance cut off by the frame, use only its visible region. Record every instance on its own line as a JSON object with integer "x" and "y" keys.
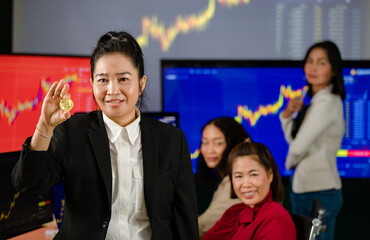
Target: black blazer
{"x": 79, "y": 154}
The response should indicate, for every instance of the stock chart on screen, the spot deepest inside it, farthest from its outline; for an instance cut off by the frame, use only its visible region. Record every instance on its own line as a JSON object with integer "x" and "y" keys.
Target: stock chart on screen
{"x": 20, "y": 212}
{"x": 254, "y": 93}
{"x": 25, "y": 80}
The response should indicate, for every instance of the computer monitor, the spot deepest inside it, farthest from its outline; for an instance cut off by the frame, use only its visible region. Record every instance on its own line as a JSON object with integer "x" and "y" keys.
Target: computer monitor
{"x": 25, "y": 80}
{"x": 20, "y": 212}
{"x": 171, "y": 118}
{"x": 254, "y": 93}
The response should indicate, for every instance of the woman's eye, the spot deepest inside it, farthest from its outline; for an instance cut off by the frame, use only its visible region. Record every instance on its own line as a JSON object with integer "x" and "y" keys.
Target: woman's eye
{"x": 123, "y": 79}
{"x": 102, "y": 80}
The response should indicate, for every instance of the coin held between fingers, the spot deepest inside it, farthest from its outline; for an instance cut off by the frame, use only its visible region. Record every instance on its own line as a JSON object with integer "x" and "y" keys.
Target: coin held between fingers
{"x": 66, "y": 104}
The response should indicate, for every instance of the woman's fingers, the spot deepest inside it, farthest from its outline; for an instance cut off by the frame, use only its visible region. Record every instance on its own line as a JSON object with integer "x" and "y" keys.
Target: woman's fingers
{"x": 66, "y": 115}
{"x": 58, "y": 89}
{"x": 67, "y": 95}
{"x": 52, "y": 89}
{"x": 64, "y": 93}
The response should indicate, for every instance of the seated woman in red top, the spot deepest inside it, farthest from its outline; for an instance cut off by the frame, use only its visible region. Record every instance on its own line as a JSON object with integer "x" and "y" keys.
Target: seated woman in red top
{"x": 256, "y": 182}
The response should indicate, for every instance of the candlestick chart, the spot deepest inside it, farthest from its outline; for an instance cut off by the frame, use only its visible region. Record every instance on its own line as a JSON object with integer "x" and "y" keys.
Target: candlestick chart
{"x": 252, "y": 116}
{"x": 6, "y": 213}
{"x": 243, "y": 112}
{"x": 153, "y": 28}
{"x": 25, "y": 81}
{"x": 20, "y": 212}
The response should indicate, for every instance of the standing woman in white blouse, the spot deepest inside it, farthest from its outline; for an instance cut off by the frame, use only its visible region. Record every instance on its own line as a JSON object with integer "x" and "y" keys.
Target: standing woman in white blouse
{"x": 316, "y": 134}
{"x": 126, "y": 176}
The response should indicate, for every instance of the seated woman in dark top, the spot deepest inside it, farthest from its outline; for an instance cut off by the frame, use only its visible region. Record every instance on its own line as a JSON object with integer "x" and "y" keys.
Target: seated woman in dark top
{"x": 219, "y": 136}
{"x": 256, "y": 182}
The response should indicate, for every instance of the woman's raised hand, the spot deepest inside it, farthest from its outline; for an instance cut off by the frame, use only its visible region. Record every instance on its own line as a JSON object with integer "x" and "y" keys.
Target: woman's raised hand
{"x": 294, "y": 105}
{"x": 51, "y": 116}
{"x": 51, "y": 113}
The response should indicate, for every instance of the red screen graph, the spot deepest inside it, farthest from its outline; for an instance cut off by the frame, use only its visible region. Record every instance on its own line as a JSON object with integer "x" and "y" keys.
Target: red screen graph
{"x": 25, "y": 80}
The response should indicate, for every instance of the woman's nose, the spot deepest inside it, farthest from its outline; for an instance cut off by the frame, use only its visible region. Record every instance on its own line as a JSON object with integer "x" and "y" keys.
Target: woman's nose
{"x": 246, "y": 182}
{"x": 313, "y": 67}
{"x": 113, "y": 87}
{"x": 207, "y": 149}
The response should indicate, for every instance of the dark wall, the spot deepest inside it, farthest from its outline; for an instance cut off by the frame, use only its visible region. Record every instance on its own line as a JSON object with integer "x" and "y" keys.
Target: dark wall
{"x": 353, "y": 221}
{"x": 6, "y": 12}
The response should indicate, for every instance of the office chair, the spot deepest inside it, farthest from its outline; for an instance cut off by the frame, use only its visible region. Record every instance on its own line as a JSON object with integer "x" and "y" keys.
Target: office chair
{"x": 318, "y": 213}
{"x": 308, "y": 228}
{"x": 303, "y": 225}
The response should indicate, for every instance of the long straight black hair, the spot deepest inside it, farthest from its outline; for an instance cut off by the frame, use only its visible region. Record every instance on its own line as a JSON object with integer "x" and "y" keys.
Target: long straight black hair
{"x": 336, "y": 63}
{"x": 234, "y": 133}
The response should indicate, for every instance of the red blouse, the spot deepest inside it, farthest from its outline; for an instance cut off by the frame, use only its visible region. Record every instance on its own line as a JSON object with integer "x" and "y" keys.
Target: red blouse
{"x": 267, "y": 220}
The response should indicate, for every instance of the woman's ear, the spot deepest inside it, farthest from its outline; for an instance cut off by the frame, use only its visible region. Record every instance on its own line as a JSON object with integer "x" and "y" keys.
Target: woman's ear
{"x": 142, "y": 84}
{"x": 270, "y": 175}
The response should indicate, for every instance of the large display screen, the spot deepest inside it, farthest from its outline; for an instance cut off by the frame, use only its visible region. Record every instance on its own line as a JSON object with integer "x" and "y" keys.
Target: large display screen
{"x": 254, "y": 93}
{"x": 20, "y": 212}
{"x": 194, "y": 29}
{"x": 25, "y": 80}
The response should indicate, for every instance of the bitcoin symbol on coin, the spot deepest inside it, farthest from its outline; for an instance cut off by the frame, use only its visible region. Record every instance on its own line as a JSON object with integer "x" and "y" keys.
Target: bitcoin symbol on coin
{"x": 66, "y": 104}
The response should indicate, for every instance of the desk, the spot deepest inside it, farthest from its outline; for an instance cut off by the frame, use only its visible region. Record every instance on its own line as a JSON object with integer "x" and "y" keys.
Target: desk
{"x": 46, "y": 232}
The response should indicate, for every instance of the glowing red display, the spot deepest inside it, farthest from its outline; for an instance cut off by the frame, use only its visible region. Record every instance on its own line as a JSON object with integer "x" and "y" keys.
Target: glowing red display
{"x": 25, "y": 80}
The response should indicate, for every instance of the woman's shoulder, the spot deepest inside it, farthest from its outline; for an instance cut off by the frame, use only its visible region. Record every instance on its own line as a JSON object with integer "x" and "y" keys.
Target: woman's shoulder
{"x": 275, "y": 221}
{"x": 232, "y": 214}
{"x": 84, "y": 115}
{"x": 236, "y": 208}
{"x": 225, "y": 185}
{"x": 84, "y": 118}
{"x": 226, "y": 179}
{"x": 326, "y": 95}
{"x": 275, "y": 209}
{"x": 158, "y": 126}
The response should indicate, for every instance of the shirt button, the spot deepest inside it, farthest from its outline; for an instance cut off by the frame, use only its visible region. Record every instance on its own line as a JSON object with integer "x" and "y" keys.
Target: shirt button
{"x": 104, "y": 225}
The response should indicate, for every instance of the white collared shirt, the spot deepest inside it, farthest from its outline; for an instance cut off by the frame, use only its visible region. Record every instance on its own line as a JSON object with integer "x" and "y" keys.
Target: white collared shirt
{"x": 129, "y": 219}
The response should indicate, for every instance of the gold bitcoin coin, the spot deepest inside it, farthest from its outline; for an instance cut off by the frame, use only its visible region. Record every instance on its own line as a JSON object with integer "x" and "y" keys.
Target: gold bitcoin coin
{"x": 66, "y": 104}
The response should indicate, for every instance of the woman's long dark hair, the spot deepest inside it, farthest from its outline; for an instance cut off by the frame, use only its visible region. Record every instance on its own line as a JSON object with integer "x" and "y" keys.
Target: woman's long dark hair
{"x": 234, "y": 133}
{"x": 336, "y": 63}
{"x": 337, "y": 81}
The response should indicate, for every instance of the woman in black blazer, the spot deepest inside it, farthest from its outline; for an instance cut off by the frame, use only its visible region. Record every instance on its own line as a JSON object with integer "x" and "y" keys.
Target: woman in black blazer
{"x": 140, "y": 186}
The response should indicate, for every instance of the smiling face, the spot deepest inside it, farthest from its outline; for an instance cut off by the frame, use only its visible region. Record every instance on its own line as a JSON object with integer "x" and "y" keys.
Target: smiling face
{"x": 213, "y": 145}
{"x": 251, "y": 182}
{"x": 116, "y": 87}
{"x": 318, "y": 69}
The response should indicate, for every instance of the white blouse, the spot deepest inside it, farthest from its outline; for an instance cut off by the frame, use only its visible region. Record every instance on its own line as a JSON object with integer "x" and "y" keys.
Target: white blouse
{"x": 129, "y": 219}
{"x": 313, "y": 152}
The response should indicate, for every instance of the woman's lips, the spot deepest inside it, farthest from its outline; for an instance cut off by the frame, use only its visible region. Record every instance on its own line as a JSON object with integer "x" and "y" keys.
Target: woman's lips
{"x": 211, "y": 159}
{"x": 311, "y": 76}
{"x": 248, "y": 194}
{"x": 115, "y": 102}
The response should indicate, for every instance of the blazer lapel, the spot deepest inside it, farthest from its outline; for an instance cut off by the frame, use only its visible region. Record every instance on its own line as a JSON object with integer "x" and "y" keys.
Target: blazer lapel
{"x": 150, "y": 155}
{"x": 99, "y": 141}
